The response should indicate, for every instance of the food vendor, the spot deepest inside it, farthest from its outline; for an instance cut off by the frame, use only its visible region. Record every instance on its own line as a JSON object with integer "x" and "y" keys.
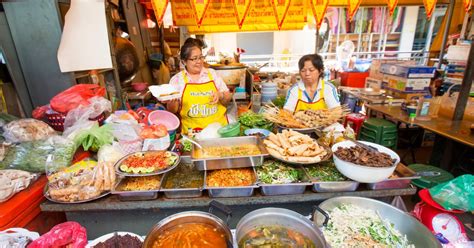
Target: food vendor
{"x": 312, "y": 92}
{"x": 204, "y": 95}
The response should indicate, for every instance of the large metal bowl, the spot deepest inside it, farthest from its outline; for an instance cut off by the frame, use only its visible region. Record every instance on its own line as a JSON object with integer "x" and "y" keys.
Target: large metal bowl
{"x": 416, "y": 232}
{"x": 187, "y": 217}
{"x": 280, "y": 217}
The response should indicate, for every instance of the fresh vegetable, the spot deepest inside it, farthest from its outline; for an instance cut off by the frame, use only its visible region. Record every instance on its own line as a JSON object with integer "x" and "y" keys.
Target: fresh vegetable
{"x": 279, "y": 101}
{"x": 184, "y": 176}
{"x": 275, "y": 236}
{"x": 154, "y": 132}
{"x": 94, "y": 138}
{"x": 187, "y": 145}
{"x": 148, "y": 162}
{"x": 250, "y": 119}
{"x": 274, "y": 172}
{"x": 326, "y": 172}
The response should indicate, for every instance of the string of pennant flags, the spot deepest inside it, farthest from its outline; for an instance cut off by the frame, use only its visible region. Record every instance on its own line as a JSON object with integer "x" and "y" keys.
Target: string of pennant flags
{"x": 282, "y": 10}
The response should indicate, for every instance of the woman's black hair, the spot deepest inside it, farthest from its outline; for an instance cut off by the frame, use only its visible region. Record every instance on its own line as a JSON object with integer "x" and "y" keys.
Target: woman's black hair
{"x": 315, "y": 59}
{"x": 188, "y": 46}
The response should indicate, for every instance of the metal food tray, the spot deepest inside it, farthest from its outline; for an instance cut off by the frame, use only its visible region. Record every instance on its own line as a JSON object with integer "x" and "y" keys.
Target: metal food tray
{"x": 243, "y": 191}
{"x": 182, "y": 192}
{"x": 141, "y": 195}
{"x": 229, "y": 162}
{"x": 47, "y": 196}
{"x": 396, "y": 183}
{"x": 340, "y": 186}
{"x": 286, "y": 188}
{"x": 121, "y": 173}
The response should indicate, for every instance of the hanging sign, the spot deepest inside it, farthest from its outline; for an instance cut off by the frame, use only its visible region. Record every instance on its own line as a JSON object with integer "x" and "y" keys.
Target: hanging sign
{"x": 241, "y": 10}
{"x": 467, "y": 5}
{"x": 280, "y": 8}
{"x": 199, "y": 8}
{"x": 429, "y": 7}
{"x": 352, "y": 6}
{"x": 319, "y": 10}
{"x": 159, "y": 6}
{"x": 392, "y": 4}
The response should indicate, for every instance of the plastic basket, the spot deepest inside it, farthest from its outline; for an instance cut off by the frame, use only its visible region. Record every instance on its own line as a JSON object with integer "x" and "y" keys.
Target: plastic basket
{"x": 56, "y": 120}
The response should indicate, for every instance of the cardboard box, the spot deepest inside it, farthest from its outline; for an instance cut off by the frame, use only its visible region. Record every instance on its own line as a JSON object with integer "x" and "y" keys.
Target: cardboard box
{"x": 373, "y": 83}
{"x": 407, "y": 84}
{"x": 407, "y": 96}
{"x": 408, "y": 71}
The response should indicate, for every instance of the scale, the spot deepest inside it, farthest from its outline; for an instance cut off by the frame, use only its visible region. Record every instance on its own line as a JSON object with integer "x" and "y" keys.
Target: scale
{"x": 441, "y": 222}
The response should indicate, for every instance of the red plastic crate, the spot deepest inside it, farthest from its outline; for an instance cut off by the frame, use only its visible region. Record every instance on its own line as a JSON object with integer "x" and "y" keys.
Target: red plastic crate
{"x": 353, "y": 79}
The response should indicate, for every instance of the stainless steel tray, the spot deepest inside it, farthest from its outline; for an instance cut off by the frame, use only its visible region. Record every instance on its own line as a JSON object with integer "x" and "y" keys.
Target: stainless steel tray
{"x": 229, "y": 162}
{"x": 142, "y": 195}
{"x": 182, "y": 192}
{"x": 283, "y": 189}
{"x": 341, "y": 186}
{"x": 47, "y": 196}
{"x": 395, "y": 183}
{"x": 244, "y": 191}
{"x": 121, "y": 173}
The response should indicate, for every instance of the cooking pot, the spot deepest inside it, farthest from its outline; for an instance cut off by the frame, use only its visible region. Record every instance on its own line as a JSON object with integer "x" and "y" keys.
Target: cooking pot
{"x": 417, "y": 234}
{"x": 280, "y": 217}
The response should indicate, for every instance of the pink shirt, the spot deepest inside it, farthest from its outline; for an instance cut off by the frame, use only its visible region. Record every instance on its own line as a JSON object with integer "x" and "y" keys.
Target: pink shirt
{"x": 178, "y": 80}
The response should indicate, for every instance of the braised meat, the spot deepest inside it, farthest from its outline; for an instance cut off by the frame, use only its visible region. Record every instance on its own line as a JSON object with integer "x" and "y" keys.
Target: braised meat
{"x": 362, "y": 156}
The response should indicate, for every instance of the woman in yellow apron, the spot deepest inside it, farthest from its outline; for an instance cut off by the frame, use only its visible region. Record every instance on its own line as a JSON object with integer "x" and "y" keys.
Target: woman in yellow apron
{"x": 204, "y": 95}
{"x": 312, "y": 92}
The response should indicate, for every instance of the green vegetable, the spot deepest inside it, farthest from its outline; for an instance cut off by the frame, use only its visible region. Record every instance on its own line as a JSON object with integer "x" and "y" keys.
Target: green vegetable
{"x": 326, "y": 171}
{"x": 279, "y": 101}
{"x": 250, "y": 119}
{"x": 94, "y": 137}
{"x": 274, "y": 172}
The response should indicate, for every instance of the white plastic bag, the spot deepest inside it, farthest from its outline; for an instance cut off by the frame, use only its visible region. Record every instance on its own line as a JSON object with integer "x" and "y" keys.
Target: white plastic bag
{"x": 97, "y": 106}
{"x": 110, "y": 153}
{"x": 210, "y": 132}
{"x": 16, "y": 238}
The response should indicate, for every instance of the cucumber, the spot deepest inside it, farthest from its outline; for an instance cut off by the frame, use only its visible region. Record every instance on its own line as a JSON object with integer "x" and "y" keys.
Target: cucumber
{"x": 124, "y": 167}
{"x": 149, "y": 170}
{"x": 136, "y": 170}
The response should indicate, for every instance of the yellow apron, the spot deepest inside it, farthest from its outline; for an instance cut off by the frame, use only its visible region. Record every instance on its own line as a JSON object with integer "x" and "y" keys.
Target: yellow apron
{"x": 303, "y": 105}
{"x": 196, "y": 110}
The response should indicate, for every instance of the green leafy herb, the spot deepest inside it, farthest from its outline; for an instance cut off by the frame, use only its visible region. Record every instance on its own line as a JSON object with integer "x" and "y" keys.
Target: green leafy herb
{"x": 274, "y": 172}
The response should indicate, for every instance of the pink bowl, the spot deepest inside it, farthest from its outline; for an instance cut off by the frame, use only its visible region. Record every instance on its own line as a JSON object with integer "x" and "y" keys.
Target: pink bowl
{"x": 168, "y": 119}
{"x": 140, "y": 86}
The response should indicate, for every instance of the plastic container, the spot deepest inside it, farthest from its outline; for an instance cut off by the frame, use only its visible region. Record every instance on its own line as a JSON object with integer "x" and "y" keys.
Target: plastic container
{"x": 424, "y": 113}
{"x": 140, "y": 86}
{"x": 168, "y": 119}
{"x": 231, "y": 130}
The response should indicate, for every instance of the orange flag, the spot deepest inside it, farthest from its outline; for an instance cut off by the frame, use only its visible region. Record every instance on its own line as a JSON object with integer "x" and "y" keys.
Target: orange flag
{"x": 352, "y": 6}
{"x": 429, "y": 7}
{"x": 467, "y": 5}
{"x": 241, "y": 8}
{"x": 159, "y": 6}
{"x": 319, "y": 10}
{"x": 199, "y": 8}
{"x": 392, "y": 4}
{"x": 280, "y": 8}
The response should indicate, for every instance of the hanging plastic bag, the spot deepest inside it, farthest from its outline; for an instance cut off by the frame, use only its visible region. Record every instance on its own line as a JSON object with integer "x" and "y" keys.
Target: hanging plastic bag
{"x": 455, "y": 194}
{"x": 75, "y": 96}
{"x": 67, "y": 234}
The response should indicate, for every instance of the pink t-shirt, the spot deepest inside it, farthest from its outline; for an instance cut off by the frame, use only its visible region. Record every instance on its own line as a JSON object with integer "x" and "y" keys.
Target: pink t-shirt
{"x": 178, "y": 80}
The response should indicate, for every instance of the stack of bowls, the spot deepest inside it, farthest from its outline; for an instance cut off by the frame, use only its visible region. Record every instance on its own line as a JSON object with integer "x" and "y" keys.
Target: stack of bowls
{"x": 269, "y": 92}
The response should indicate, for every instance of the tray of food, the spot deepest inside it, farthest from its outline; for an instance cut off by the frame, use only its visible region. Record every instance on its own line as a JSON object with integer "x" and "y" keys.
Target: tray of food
{"x": 278, "y": 178}
{"x": 138, "y": 188}
{"x": 296, "y": 148}
{"x": 117, "y": 239}
{"x": 147, "y": 163}
{"x": 185, "y": 181}
{"x": 400, "y": 179}
{"x": 326, "y": 178}
{"x": 240, "y": 182}
{"x": 224, "y": 153}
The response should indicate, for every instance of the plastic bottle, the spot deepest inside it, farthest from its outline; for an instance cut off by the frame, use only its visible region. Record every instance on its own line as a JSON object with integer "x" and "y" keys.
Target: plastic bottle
{"x": 425, "y": 108}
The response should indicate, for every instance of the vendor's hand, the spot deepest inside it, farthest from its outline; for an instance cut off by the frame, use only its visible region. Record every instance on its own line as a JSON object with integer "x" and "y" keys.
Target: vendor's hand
{"x": 216, "y": 96}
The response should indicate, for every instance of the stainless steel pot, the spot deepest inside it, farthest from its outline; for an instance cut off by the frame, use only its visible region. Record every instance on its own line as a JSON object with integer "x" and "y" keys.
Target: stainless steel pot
{"x": 280, "y": 217}
{"x": 416, "y": 232}
{"x": 187, "y": 217}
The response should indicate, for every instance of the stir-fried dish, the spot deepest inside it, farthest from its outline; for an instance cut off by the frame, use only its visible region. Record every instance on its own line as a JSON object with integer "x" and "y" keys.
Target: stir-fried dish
{"x": 325, "y": 172}
{"x": 148, "y": 162}
{"x": 140, "y": 183}
{"x": 352, "y": 226}
{"x": 228, "y": 151}
{"x": 184, "y": 176}
{"x": 275, "y": 237}
{"x": 275, "y": 172}
{"x": 191, "y": 235}
{"x": 230, "y": 178}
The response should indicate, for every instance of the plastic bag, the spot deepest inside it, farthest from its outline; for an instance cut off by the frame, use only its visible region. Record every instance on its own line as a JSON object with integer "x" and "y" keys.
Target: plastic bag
{"x": 27, "y": 130}
{"x": 110, "y": 153}
{"x": 455, "y": 194}
{"x": 94, "y": 137}
{"x": 69, "y": 234}
{"x": 210, "y": 132}
{"x": 31, "y": 156}
{"x": 13, "y": 181}
{"x": 449, "y": 101}
{"x": 75, "y": 96}
{"x": 97, "y": 106}
{"x": 16, "y": 237}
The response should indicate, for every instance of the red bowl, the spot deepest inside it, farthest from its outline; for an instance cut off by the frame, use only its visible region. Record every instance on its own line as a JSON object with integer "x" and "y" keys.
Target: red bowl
{"x": 139, "y": 86}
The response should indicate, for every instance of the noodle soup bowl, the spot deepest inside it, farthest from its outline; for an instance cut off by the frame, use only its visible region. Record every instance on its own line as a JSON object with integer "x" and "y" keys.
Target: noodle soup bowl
{"x": 188, "y": 217}
{"x": 363, "y": 173}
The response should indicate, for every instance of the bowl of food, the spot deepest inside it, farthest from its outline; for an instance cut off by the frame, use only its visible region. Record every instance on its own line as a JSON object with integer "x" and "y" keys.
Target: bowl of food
{"x": 263, "y": 133}
{"x": 168, "y": 119}
{"x": 362, "y": 164}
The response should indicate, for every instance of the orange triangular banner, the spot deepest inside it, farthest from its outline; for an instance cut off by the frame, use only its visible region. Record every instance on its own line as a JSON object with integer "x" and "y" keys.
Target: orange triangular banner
{"x": 467, "y": 5}
{"x": 319, "y": 10}
{"x": 159, "y": 6}
{"x": 241, "y": 8}
{"x": 352, "y": 7}
{"x": 429, "y": 7}
{"x": 280, "y": 8}
{"x": 199, "y": 8}
{"x": 392, "y": 4}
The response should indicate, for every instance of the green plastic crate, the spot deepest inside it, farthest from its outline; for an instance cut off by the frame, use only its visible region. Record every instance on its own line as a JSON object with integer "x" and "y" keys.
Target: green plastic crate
{"x": 429, "y": 182}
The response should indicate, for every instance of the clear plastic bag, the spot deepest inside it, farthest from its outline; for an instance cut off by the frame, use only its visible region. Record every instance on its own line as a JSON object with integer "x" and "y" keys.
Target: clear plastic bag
{"x": 97, "y": 106}
{"x": 69, "y": 234}
{"x": 455, "y": 194}
{"x": 14, "y": 181}
{"x": 27, "y": 130}
{"x": 16, "y": 237}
